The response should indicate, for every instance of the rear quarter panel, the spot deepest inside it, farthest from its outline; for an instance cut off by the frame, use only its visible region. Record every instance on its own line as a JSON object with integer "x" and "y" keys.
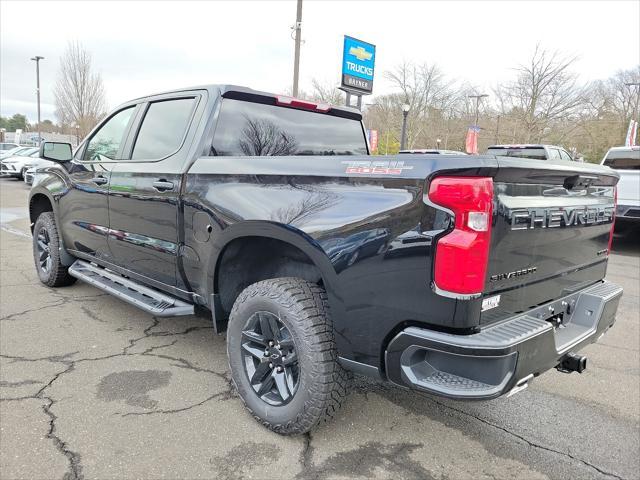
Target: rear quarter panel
{"x": 334, "y": 214}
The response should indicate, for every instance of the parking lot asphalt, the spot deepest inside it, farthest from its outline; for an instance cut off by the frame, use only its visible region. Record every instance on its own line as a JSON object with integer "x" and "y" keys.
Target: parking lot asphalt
{"x": 91, "y": 387}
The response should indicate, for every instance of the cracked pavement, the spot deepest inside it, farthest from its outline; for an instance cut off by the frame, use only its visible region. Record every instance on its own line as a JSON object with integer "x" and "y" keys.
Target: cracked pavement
{"x": 91, "y": 387}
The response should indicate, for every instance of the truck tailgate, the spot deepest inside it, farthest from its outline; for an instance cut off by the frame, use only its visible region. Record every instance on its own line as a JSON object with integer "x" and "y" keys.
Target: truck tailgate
{"x": 550, "y": 233}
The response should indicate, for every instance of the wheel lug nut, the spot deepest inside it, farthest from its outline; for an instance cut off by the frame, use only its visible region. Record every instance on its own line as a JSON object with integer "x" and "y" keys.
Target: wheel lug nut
{"x": 270, "y": 343}
{"x": 279, "y": 369}
{"x": 271, "y": 365}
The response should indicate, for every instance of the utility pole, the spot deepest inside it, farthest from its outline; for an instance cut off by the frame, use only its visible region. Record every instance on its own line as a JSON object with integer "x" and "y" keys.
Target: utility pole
{"x": 478, "y": 97}
{"x": 498, "y": 130}
{"x": 37, "y": 59}
{"x": 296, "y": 60}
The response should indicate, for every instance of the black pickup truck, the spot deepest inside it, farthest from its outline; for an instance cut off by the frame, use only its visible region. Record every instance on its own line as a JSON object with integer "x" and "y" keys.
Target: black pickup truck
{"x": 462, "y": 276}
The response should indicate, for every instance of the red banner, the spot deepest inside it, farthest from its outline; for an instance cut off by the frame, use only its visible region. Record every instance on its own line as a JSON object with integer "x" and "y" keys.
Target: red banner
{"x": 373, "y": 140}
{"x": 472, "y": 140}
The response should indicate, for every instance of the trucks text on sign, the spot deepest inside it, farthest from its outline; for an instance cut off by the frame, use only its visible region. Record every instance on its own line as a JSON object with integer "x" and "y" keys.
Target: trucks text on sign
{"x": 358, "y": 59}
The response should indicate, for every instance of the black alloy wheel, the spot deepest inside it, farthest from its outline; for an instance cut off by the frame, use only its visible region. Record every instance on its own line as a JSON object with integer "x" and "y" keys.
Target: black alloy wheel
{"x": 43, "y": 248}
{"x": 270, "y": 359}
{"x": 282, "y": 355}
{"x": 46, "y": 252}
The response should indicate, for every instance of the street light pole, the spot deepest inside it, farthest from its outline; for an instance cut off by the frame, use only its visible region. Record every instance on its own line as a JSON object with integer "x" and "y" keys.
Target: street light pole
{"x": 296, "y": 59}
{"x": 37, "y": 59}
{"x": 478, "y": 97}
{"x": 403, "y": 137}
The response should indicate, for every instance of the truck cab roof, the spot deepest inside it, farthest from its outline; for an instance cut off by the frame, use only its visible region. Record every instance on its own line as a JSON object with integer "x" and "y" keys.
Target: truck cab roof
{"x": 245, "y": 93}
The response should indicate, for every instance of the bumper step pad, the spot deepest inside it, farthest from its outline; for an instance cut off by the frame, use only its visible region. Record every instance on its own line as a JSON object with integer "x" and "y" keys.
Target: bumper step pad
{"x": 501, "y": 357}
{"x": 147, "y": 299}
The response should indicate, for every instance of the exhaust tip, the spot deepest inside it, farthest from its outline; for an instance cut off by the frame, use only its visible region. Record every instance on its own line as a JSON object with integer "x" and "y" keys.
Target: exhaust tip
{"x": 573, "y": 363}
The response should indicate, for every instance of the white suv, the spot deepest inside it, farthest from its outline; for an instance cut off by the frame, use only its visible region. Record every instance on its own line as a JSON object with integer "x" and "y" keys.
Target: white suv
{"x": 626, "y": 161}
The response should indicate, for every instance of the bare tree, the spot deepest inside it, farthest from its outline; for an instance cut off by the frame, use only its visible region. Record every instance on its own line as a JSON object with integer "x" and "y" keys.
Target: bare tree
{"x": 264, "y": 138}
{"x": 79, "y": 92}
{"x": 425, "y": 88}
{"x": 326, "y": 93}
{"x": 545, "y": 90}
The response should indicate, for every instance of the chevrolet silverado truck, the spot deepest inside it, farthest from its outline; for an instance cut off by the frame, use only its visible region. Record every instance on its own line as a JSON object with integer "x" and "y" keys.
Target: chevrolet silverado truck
{"x": 462, "y": 276}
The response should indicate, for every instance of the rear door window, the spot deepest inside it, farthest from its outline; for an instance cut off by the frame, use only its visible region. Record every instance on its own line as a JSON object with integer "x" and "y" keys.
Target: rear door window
{"x": 623, "y": 159}
{"x": 163, "y": 129}
{"x": 256, "y": 129}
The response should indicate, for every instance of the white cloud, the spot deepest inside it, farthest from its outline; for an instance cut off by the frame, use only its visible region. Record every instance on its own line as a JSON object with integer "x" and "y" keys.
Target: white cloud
{"x": 144, "y": 47}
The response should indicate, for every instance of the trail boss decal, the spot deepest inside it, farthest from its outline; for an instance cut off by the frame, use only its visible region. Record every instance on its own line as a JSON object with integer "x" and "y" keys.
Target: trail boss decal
{"x": 376, "y": 167}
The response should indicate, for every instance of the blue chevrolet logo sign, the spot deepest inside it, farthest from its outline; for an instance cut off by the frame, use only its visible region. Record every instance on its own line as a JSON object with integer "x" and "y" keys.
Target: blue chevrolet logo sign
{"x": 358, "y": 59}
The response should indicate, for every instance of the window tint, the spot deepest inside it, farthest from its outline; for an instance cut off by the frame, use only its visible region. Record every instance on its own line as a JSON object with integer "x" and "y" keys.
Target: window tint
{"x": 533, "y": 153}
{"x": 623, "y": 159}
{"x": 163, "y": 128}
{"x": 565, "y": 156}
{"x": 104, "y": 145}
{"x": 254, "y": 129}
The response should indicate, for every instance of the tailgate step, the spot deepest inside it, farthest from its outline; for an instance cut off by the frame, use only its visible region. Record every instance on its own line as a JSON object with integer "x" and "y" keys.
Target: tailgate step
{"x": 147, "y": 299}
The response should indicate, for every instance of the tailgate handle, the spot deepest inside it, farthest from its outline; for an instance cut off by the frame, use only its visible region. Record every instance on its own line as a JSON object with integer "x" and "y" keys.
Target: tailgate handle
{"x": 579, "y": 181}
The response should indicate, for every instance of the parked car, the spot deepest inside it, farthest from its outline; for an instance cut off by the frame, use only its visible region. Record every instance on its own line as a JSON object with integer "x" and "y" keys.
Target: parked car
{"x": 29, "y": 176}
{"x": 16, "y": 165}
{"x": 14, "y": 151}
{"x": 532, "y": 151}
{"x": 626, "y": 161}
{"x": 7, "y": 146}
{"x": 31, "y": 168}
{"x": 241, "y": 201}
{"x": 432, "y": 152}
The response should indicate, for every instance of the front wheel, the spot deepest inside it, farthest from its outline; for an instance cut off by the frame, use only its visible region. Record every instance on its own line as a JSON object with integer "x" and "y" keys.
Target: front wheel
{"x": 46, "y": 252}
{"x": 282, "y": 355}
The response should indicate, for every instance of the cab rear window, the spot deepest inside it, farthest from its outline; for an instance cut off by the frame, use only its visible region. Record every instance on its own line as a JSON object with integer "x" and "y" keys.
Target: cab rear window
{"x": 256, "y": 129}
{"x": 623, "y": 159}
{"x": 533, "y": 153}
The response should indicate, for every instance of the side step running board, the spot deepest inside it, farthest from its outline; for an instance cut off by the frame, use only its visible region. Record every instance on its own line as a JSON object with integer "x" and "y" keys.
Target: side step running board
{"x": 147, "y": 299}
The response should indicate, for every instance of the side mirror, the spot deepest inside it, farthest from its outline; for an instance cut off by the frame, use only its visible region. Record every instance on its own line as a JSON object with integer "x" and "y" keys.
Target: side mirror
{"x": 56, "y": 151}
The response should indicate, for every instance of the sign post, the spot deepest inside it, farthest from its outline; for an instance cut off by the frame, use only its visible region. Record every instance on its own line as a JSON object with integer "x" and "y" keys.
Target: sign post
{"x": 358, "y": 60}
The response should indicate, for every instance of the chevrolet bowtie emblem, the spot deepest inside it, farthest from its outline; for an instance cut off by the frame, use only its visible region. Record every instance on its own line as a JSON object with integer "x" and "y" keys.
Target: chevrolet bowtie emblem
{"x": 360, "y": 53}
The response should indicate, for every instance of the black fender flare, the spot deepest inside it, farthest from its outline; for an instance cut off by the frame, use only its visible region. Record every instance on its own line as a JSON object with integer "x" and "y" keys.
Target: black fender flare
{"x": 285, "y": 233}
{"x": 45, "y": 188}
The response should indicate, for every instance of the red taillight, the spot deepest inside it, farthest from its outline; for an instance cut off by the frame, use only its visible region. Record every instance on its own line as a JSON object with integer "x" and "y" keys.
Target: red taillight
{"x": 462, "y": 254}
{"x": 304, "y": 104}
{"x": 613, "y": 221}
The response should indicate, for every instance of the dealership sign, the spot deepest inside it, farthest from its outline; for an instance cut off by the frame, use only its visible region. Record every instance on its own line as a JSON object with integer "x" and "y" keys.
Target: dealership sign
{"x": 358, "y": 60}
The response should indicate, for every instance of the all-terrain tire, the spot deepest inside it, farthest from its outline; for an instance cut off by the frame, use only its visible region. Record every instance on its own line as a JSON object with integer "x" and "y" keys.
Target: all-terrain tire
{"x": 302, "y": 307}
{"x": 56, "y": 274}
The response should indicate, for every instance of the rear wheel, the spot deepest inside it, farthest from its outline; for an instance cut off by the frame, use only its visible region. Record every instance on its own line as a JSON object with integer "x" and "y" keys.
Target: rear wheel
{"x": 46, "y": 252}
{"x": 282, "y": 355}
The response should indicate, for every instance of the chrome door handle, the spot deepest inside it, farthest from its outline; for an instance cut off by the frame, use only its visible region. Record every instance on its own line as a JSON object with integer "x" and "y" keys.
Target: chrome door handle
{"x": 99, "y": 180}
{"x": 163, "y": 185}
